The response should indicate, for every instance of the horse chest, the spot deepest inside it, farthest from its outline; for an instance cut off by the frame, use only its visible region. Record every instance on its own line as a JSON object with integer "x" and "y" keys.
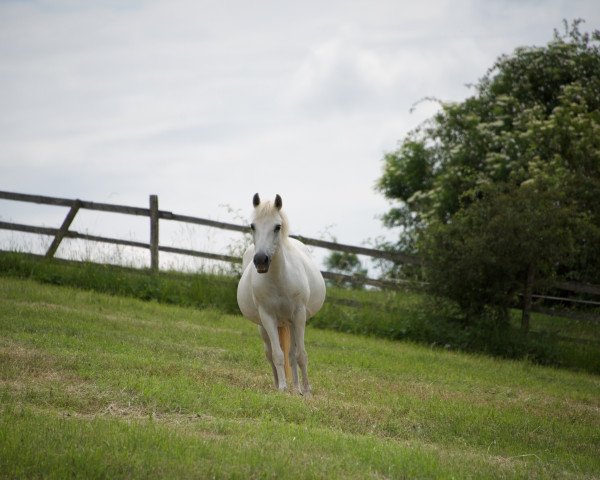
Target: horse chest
{"x": 282, "y": 298}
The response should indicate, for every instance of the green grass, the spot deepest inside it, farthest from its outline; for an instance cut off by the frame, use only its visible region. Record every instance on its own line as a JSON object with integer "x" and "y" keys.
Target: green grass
{"x": 393, "y": 315}
{"x": 567, "y": 343}
{"x": 99, "y": 386}
{"x": 199, "y": 290}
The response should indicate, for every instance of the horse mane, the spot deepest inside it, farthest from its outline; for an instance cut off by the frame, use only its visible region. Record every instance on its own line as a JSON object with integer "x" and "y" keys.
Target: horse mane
{"x": 268, "y": 209}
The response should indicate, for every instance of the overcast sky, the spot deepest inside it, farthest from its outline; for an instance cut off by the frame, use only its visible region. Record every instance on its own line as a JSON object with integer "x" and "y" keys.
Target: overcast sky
{"x": 205, "y": 103}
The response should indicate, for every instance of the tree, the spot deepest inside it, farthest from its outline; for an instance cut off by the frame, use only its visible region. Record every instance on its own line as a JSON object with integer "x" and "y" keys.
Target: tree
{"x": 346, "y": 264}
{"x": 534, "y": 120}
{"x": 497, "y": 247}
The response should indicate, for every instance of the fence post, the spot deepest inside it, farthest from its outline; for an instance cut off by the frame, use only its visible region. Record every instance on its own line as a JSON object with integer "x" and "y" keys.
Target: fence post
{"x": 527, "y": 299}
{"x": 154, "y": 233}
{"x": 64, "y": 228}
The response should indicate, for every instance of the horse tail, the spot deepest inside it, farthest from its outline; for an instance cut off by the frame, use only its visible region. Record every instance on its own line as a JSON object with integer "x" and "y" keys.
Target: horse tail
{"x": 285, "y": 341}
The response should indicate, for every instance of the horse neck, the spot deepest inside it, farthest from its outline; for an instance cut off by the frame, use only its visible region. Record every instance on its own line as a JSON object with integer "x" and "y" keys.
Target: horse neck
{"x": 280, "y": 257}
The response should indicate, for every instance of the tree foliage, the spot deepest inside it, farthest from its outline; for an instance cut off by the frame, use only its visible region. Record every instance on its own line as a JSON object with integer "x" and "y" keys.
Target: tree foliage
{"x": 346, "y": 264}
{"x": 504, "y": 188}
{"x": 489, "y": 250}
{"x": 508, "y": 176}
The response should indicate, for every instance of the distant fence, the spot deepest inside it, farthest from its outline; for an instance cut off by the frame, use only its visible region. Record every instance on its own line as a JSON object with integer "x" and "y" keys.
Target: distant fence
{"x": 155, "y": 215}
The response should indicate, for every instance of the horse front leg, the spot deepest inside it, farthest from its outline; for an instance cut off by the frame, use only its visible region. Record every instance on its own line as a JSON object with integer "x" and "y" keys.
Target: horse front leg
{"x": 298, "y": 326}
{"x": 268, "y": 353}
{"x": 269, "y": 325}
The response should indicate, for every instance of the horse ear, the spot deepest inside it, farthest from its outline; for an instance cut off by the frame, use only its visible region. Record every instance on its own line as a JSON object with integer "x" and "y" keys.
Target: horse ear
{"x": 278, "y": 202}
{"x": 256, "y": 200}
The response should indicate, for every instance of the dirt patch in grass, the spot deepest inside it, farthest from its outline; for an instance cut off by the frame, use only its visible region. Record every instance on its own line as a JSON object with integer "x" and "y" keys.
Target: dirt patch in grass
{"x": 19, "y": 360}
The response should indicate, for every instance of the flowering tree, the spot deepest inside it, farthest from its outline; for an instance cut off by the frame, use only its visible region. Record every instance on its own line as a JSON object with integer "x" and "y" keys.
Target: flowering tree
{"x": 530, "y": 132}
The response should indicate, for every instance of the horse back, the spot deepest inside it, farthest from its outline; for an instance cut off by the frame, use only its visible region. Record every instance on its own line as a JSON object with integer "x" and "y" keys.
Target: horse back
{"x": 315, "y": 280}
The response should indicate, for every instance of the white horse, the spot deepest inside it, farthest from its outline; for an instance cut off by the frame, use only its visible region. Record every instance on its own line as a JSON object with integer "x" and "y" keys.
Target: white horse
{"x": 280, "y": 289}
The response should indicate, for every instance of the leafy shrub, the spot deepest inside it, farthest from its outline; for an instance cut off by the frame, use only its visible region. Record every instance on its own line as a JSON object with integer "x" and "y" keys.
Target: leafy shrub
{"x": 484, "y": 256}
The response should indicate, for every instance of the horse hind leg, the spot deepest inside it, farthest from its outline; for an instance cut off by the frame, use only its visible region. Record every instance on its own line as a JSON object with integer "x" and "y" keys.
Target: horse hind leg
{"x": 269, "y": 353}
{"x": 299, "y": 325}
{"x": 285, "y": 343}
{"x": 294, "y": 363}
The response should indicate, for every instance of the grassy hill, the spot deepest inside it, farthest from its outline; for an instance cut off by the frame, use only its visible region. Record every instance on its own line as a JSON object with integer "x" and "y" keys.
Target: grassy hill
{"x": 411, "y": 316}
{"x": 99, "y": 386}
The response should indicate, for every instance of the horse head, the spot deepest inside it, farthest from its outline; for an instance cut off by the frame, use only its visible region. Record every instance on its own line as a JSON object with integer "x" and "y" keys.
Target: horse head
{"x": 269, "y": 227}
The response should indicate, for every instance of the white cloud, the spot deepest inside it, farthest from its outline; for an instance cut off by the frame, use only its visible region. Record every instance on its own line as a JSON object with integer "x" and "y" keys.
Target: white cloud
{"x": 207, "y": 102}
{"x": 339, "y": 74}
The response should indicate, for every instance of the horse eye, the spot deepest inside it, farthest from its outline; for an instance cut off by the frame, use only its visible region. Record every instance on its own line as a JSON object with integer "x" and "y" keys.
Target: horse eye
{"x": 277, "y": 228}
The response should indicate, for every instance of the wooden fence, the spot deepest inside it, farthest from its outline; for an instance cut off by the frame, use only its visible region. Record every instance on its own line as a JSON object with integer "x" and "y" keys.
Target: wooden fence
{"x": 155, "y": 215}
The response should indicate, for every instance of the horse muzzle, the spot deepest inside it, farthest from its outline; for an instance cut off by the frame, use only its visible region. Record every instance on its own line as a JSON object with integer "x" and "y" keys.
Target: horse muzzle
{"x": 262, "y": 262}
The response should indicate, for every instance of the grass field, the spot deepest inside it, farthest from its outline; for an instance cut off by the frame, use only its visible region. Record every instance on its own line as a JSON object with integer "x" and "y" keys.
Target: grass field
{"x": 98, "y": 386}
{"x": 411, "y": 316}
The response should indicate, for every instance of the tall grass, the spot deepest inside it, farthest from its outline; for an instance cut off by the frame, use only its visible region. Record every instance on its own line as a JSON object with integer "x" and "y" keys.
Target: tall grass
{"x": 200, "y": 290}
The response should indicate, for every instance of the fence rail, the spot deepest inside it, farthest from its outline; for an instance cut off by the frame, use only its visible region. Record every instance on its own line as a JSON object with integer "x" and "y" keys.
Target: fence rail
{"x": 155, "y": 215}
